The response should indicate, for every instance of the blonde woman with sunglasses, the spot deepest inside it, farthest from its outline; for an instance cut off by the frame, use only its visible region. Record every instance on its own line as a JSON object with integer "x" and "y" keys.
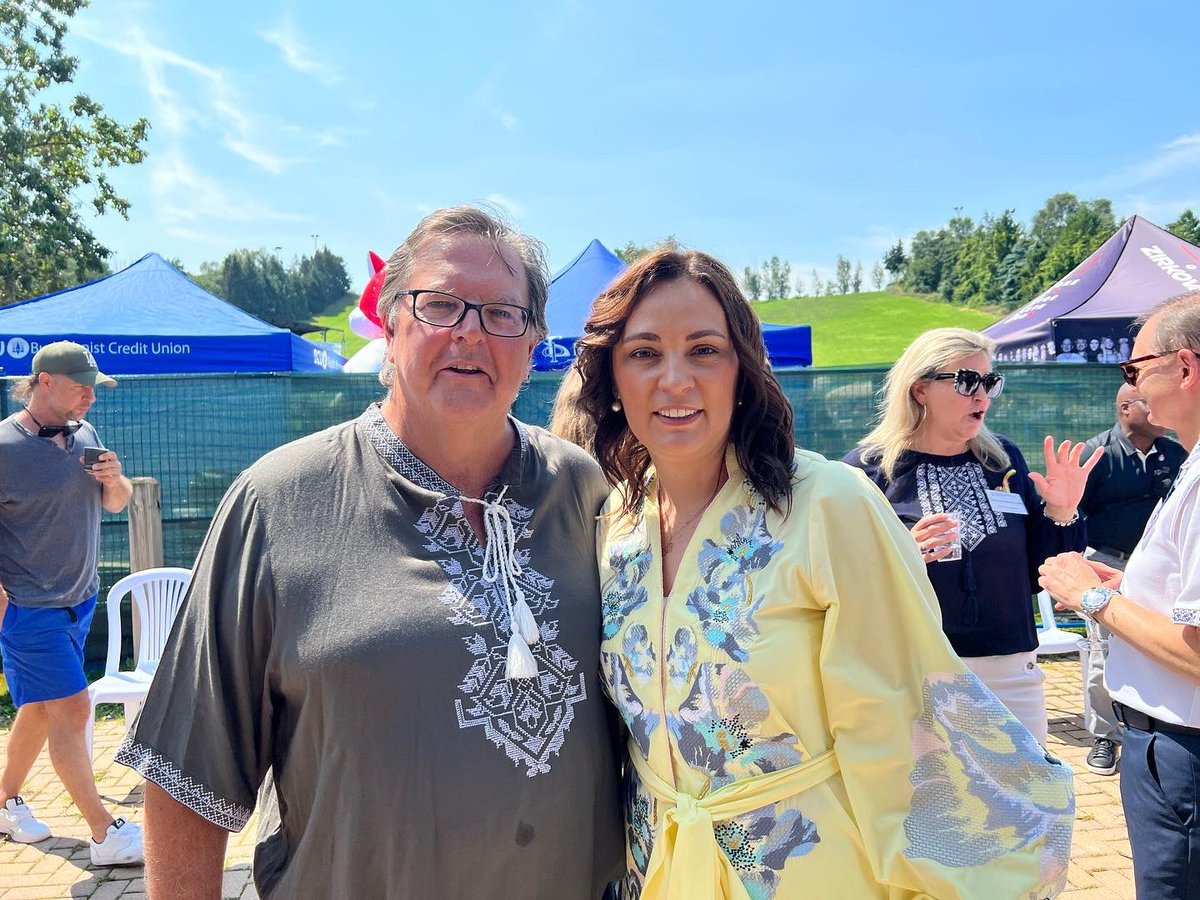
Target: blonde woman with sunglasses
{"x": 981, "y": 519}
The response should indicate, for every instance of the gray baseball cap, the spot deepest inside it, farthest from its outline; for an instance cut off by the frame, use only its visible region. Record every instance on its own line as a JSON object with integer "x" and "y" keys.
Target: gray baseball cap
{"x": 73, "y": 360}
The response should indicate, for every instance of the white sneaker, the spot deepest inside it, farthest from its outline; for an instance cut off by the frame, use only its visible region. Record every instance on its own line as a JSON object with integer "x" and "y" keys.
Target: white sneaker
{"x": 17, "y": 821}
{"x": 122, "y": 845}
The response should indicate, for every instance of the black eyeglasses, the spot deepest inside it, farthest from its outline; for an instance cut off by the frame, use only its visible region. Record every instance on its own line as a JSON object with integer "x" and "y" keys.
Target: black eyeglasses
{"x": 446, "y": 310}
{"x": 1130, "y": 370}
{"x": 968, "y": 381}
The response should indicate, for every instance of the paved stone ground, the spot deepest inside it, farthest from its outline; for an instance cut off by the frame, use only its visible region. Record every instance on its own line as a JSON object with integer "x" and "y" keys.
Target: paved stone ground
{"x": 59, "y": 867}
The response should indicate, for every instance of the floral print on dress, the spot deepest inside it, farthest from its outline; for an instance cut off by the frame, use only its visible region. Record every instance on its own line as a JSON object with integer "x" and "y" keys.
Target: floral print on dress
{"x": 629, "y": 558}
{"x": 725, "y": 604}
{"x": 639, "y": 833}
{"x": 640, "y": 721}
{"x": 716, "y": 728}
{"x": 759, "y": 843}
{"x": 681, "y": 658}
{"x": 639, "y": 651}
{"x": 982, "y": 788}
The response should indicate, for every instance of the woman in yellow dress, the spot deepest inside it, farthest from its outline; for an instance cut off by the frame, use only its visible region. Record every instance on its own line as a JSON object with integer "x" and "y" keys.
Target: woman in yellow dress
{"x": 798, "y": 724}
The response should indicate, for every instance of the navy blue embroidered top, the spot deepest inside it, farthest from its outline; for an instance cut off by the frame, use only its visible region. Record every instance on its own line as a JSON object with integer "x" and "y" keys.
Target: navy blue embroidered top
{"x": 987, "y": 596}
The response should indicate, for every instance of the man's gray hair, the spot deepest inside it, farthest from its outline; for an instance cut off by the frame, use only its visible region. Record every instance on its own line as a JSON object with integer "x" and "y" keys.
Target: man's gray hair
{"x": 1178, "y": 323}
{"x": 464, "y": 220}
{"x": 22, "y": 390}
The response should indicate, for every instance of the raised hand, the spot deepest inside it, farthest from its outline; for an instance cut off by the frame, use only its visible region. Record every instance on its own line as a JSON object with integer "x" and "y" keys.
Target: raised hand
{"x": 1066, "y": 477}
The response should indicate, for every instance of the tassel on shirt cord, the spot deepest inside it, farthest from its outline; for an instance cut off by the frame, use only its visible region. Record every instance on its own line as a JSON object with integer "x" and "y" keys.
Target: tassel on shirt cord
{"x": 500, "y": 563}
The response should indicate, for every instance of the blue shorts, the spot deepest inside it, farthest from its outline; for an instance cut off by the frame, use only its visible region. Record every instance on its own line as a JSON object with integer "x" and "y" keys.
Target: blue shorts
{"x": 42, "y": 649}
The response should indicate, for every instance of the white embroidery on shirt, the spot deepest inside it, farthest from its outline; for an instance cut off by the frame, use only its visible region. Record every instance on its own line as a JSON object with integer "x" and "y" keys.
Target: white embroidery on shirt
{"x": 527, "y": 718}
{"x": 961, "y": 489}
{"x": 191, "y": 793}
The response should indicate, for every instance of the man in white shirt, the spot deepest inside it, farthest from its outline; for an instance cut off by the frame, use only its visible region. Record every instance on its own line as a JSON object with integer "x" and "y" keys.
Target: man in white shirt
{"x": 1153, "y": 613}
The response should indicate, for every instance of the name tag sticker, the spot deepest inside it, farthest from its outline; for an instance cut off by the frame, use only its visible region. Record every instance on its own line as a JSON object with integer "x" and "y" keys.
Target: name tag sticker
{"x": 1004, "y": 502}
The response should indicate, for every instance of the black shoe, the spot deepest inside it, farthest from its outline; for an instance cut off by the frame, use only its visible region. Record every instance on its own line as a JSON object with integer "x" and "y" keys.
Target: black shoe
{"x": 1103, "y": 758}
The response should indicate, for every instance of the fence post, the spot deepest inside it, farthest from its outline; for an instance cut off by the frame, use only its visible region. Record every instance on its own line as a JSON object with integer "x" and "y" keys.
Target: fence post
{"x": 145, "y": 537}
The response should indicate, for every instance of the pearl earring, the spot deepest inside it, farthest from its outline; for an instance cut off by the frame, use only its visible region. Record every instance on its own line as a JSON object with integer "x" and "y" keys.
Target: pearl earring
{"x": 616, "y": 406}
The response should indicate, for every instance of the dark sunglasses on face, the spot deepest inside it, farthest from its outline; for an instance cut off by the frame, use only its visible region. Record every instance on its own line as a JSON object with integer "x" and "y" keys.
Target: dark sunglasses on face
{"x": 1130, "y": 370}
{"x": 968, "y": 381}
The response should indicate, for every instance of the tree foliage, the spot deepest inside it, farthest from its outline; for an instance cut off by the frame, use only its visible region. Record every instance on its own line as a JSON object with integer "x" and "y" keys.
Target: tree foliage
{"x": 633, "y": 251}
{"x": 53, "y": 156}
{"x": 1000, "y": 262}
{"x": 256, "y": 281}
{"x": 1187, "y": 226}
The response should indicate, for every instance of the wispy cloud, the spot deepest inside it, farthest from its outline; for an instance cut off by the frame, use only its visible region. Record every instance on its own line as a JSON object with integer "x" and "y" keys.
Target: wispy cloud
{"x": 184, "y": 197}
{"x": 486, "y": 98}
{"x": 186, "y": 93}
{"x": 298, "y": 55}
{"x": 1180, "y": 155}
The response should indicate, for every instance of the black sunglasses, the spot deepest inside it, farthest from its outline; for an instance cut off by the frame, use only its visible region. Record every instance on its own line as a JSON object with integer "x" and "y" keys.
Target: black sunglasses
{"x": 1130, "y": 370}
{"x": 49, "y": 431}
{"x": 968, "y": 381}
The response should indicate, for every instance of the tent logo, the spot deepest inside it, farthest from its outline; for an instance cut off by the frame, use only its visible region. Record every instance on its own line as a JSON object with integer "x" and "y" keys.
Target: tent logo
{"x": 18, "y": 347}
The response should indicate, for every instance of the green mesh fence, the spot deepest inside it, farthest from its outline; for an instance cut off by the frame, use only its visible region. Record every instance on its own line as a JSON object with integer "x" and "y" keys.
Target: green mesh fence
{"x": 195, "y": 433}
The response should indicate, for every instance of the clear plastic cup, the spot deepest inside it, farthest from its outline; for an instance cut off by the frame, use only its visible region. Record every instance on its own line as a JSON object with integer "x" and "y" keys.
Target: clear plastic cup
{"x": 956, "y": 544}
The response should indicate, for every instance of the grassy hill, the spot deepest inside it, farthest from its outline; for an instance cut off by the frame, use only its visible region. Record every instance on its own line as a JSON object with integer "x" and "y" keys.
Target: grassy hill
{"x": 335, "y": 318}
{"x": 861, "y": 329}
{"x": 849, "y": 330}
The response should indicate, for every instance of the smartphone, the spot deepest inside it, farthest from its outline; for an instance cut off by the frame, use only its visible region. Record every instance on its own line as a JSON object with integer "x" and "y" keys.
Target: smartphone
{"x": 91, "y": 456}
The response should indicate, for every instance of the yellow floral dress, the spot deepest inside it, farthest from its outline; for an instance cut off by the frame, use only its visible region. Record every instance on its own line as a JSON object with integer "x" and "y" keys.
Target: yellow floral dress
{"x": 799, "y": 726}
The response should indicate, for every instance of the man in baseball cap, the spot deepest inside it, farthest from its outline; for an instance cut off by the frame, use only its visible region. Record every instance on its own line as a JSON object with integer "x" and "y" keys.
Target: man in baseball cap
{"x": 73, "y": 360}
{"x": 50, "y": 503}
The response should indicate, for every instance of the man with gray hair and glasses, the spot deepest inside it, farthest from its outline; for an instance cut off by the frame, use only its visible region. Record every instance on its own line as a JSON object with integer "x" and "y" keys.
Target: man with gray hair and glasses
{"x": 1153, "y": 614}
{"x": 393, "y": 628}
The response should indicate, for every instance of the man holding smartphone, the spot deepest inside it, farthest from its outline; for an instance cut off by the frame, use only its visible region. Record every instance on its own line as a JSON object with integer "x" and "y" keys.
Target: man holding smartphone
{"x": 50, "y": 502}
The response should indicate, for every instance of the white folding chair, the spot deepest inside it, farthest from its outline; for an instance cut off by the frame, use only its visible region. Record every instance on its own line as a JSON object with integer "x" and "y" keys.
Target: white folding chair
{"x": 1051, "y": 638}
{"x": 156, "y": 594}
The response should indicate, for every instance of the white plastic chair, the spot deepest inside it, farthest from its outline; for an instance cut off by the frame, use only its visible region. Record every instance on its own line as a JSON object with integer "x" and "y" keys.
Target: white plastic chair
{"x": 1051, "y": 638}
{"x": 156, "y": 594}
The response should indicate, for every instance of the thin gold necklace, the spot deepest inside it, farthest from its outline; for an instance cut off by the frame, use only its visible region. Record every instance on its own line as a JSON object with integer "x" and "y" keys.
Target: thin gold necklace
{"x": 669, "y": 542}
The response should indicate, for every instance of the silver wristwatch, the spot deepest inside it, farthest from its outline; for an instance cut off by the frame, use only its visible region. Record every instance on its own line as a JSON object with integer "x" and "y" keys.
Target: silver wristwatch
{"x": 1095, "y": 599}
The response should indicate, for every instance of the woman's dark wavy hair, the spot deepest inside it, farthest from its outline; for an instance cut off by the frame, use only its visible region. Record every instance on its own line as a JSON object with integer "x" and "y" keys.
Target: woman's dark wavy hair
{"x": 761, "y": 430}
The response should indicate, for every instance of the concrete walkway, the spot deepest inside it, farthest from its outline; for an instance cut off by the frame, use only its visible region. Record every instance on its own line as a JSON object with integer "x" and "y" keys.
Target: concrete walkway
{"x": 59, "y": 867}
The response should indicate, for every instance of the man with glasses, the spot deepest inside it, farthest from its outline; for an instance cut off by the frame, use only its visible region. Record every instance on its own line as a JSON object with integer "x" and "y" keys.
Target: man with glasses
{"x": 50, "y": 503}
{"x": 1153, "y": 613}
{"x": 392, "y": 628}
{"x": 1137, "y": 469}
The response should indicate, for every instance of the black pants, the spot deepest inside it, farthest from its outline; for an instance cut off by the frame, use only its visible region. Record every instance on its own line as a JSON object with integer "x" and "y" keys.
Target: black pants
{"x": 1160, "y": 778}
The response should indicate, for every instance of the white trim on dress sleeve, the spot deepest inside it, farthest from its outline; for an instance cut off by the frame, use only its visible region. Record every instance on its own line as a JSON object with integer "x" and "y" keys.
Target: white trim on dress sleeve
{"x": 191, "y": 793}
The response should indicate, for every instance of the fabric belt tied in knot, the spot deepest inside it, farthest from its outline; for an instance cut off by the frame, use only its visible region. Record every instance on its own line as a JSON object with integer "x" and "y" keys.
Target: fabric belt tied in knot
{"x": 687, "y": 862}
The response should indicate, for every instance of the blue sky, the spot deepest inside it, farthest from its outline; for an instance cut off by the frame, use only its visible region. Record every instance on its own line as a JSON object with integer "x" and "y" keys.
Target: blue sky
{"x": 744, "y": 129}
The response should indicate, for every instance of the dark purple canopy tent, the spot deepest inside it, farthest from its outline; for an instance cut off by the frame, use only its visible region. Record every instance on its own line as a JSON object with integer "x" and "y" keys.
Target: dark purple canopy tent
{"x": 1086, "y": 316}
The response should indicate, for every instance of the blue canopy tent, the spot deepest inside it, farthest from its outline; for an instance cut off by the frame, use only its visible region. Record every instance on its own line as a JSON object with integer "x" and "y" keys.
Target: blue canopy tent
{"x": 574, "y": 288}
{"x": 150, "y": 318}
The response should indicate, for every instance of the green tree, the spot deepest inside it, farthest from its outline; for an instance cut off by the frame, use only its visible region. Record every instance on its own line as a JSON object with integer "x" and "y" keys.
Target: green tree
{"x": 894, "y": 260}
{"x": 752, "y": 283}
{"x": 53, "y": 155}
{"x": 856, "y": 280}
{"x": 877, "y": 275}
{"x": 1187, "y": 226}
{"x": 843, "y": 275}
{"x": 319, "y": 280}
{"x": 1085, "y": 229}
{"x": 632, "y": 251}
{"x": 777, "y": 278}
